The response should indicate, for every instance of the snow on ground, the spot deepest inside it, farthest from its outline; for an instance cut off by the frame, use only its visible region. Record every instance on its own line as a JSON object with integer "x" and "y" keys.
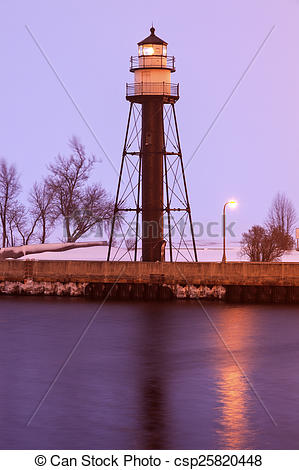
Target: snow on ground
{"x": 99, "y": 253}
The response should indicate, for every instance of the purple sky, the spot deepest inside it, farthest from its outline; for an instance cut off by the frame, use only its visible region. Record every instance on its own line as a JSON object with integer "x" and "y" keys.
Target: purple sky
{"x": 250, "y": 153}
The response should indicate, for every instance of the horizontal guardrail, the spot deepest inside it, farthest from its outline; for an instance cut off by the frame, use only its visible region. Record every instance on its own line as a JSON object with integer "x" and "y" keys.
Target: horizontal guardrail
{"x": 152, "y": 88}
{"x": 152, "y": 61}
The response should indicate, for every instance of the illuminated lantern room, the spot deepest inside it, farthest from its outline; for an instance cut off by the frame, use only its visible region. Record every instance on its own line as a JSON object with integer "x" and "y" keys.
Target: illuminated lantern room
{"x": 152, "y": 68}
{"x": 152, "y": 45}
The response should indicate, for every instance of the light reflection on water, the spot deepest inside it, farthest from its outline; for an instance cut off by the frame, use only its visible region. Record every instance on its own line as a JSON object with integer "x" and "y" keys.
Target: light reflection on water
{"x": 233, "y": 387}
{"x": 233, "y": 419}
{"x": 148, "y": 375}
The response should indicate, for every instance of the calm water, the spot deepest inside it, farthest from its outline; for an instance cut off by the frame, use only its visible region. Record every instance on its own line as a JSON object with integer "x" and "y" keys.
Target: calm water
{"x": 148, "y": 376}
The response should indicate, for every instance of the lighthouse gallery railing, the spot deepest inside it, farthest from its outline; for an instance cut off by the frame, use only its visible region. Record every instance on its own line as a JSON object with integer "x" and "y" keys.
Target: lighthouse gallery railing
{"x": 156, "y": 88}
{"x": 152, "y": 61}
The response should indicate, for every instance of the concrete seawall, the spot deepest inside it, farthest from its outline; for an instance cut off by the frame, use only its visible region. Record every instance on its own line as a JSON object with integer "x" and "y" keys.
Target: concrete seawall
{"x": 236, "y": 282}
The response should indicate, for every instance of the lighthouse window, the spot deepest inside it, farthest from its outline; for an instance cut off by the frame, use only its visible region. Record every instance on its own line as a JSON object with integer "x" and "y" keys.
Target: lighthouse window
{"x": 165, "y": 51}
{"x": 140, "y": 50}
{"x": 148, "y": 50}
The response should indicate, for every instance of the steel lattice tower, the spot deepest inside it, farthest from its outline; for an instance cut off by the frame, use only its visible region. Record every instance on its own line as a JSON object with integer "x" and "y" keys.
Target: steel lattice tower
{"x": 152, "y": 207}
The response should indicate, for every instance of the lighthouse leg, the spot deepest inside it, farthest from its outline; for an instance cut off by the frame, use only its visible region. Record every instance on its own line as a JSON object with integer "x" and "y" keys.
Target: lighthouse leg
{"x": 185, "y": 184}
{"x": 116, "y": 204}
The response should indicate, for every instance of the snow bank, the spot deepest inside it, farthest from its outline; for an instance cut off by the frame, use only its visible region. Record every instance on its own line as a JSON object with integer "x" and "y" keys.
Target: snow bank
{"x": 20, "y": 251}
{"x": 99, "y": 253}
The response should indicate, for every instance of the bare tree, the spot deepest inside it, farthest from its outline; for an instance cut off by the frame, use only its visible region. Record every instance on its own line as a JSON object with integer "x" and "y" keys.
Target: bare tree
{"x": 119, "y": 221}
{"x": 282, "y": 216}
{"x": 263, "y": 244}
{"x": 9, "y": 191}
{"x": 15, "y": 218}
{"x": 251, "y": 243}
{"x": 42, "y": 209}
{"x": 82, "y": 206}
{"x": 21, "y": 225}
{"x": 130, "y": 243}
{"x": 93, "y": 208}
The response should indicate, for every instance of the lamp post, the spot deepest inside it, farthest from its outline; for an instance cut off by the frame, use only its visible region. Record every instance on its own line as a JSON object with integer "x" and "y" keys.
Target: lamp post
{"x": 231, "y": 204}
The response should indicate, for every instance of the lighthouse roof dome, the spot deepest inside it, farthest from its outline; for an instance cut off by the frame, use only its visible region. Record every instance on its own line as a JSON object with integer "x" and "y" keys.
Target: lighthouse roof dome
{"x": 152, "y": 39}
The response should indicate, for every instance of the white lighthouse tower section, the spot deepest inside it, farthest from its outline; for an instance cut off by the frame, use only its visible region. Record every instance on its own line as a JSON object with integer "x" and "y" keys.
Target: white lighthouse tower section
{"x": 152, "y": 72}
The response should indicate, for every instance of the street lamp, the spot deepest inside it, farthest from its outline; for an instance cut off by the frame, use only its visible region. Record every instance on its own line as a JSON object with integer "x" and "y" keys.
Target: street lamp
{"x": 231, "y": 204}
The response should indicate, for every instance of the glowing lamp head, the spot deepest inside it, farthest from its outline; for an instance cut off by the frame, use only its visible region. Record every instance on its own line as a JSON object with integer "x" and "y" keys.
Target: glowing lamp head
{"x": 148, "y": 50}
{"x": 232, "y": 204}
{"x": 152, "y": 45}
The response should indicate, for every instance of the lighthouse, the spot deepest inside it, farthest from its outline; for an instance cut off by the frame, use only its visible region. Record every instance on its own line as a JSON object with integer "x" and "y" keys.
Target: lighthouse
{"x": 152, "y": 182}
